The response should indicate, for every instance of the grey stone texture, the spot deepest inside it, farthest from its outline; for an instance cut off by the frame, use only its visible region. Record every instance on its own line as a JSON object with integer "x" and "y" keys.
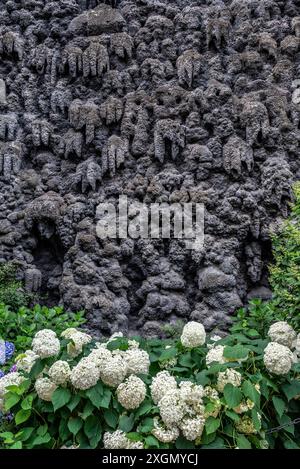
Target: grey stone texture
{"x": 162, "y": 101}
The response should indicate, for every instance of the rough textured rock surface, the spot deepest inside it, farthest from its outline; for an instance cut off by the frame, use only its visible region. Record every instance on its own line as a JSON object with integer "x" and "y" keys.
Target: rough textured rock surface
{"x": 163, "y": 101}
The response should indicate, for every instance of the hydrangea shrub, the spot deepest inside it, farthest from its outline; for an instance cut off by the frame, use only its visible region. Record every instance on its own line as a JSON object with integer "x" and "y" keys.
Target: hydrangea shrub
{"x": 197, "y": 392}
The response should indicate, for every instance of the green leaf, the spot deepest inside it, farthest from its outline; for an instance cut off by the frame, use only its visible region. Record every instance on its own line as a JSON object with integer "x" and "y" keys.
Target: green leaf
{"x": 284, "y": 420}
{"x": 232, "y": 415}
{"x": 242, "y": 442}
{"x": 232, "y": 395}
{"x": 211, "y": 425}
{"x": 11, "y": 400}
{"x": 17, "y": 445}
{"x": 95, "y": 395}
{"x": 63, "y": 430}
{"x": 168, "y": 353}
{"x": 256, "y": 420}
{"x": 126, "y": 423}
{"x": 36, "y": 369}
{"x": 73, "y": 402}
{"x": 26, "y": 404}
{"x": 144, "y": 408}
{"x": 134, "y": 436}
{"x": 146, "y": 426}
{"x": 186, "y": 360}
{"x": 60, "y": 398}
{"x": 151, "y": 442}
{"x": 202, "y": 378}
{"x": 111, "y": 418}
{"x": 182, "y": 443}
{"x": 218, "y": 443}
{"x": 75, "y": 424}
{"x": 42, "y": 430}
{"x": 25, "y": 433}
{"x": 93, "y": 430}
{"x": 41, "y": 440}
{"x": 250, "y": 392}
{"x": 279, "y": 405}
{"x": 22, "y": 416}
{"x": 235, "y": 352}
{"x": 87, "y": 410}
{"x": 106, "y": 397}
{"x": 291, "y": 390}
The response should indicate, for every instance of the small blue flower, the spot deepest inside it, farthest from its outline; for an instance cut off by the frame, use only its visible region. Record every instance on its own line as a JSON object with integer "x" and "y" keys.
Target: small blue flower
{"x": 9, "y": 350}
{"x": 2, "y": 374}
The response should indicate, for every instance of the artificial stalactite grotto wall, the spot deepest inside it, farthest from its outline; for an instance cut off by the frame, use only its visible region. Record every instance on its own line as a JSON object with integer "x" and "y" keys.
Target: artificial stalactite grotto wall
{"x": 162, "y": 101}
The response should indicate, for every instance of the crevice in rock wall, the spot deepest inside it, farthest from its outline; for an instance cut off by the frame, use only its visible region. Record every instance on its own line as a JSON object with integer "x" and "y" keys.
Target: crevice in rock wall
{"x": 164, "y": 102}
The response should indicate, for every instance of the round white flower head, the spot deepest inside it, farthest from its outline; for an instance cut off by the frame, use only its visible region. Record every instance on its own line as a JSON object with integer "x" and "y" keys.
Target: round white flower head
{"x": 100, "y": 355}
{"x": 67, "y": 333}
{"x": 215, "y": 354}
{"x": 11, "y": 379}
{"x": 45, "y": 344}
{"x": 45, "y": 388}
{"x": 282, "y": 333}
{"x": 211, "y": 393}
{"x": 60, "y": 372}
{"x": 191, "y": 394}
{"x": 171, "y": 408}
{"x": 119, "y": 440}
{"x": 192, "y": 428}
{"x": 85, "y": 374}
{"x": 161, "y": 384}
{"x": 229, "y": 376}
{"x": 26, "y": 361}
{"x": 193, "y": 335}
{"x": 131, "y": 393}
{"x": 278, "y": 359}
{"x": 244, "y": 406}
{"x": 163, "y": 434}
{"x": 138, "y": 361}
{"x": 113, "y": 371}
{"x": 79, "y": 339}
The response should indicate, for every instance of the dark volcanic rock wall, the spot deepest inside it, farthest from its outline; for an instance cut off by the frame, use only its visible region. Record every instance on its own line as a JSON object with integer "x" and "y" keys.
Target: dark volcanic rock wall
{"x": 164, "y": 101}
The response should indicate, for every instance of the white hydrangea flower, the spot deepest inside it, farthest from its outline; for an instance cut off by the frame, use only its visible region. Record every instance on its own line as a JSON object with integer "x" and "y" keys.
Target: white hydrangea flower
{"x": 165, "y": 435}
{"x": 282, "y": 333}
{"x": 45, "y": 344}
{"x": 193, "y": 335}
{"x": 244, "y": 406}
{"x": 211, "y": 393}
{"x": 161, "y": 384}
{"x": 100, "y": 355}
{"x": 215, "y": 354}
{"x": 138, "y": 361}
{"x": 85, "y": 374}
{"x": 115, "y": 440}
{"x": 278, "y": 359}
{"x": 191, "y": 394}
{"x": 11, "y": 379}
{"x": 229, "y": 376}
{"x": 192, "y": 428}
{"x": 60, "y": 372}
{"x": 45, "y": 388}
{"x": 171, "y": 408}
{"x": 119, "y": 440}
{"x": 245, "y": 425}
{"x": 79, "y": 340}
{"x": 133, "y": 344}
{"x": 26, "y": 361}
{"x": 132, "y": 392}
{"x": 113, "y": 371}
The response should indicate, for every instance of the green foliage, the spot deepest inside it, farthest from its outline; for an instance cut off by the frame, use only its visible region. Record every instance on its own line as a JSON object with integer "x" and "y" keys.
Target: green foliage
{"x": 284, "y": 280}
{"x": 81, "y": 418}
{"x": 285, "y": 273}
{"x": 11, "y": 292}
{"x": 21, "y": 325}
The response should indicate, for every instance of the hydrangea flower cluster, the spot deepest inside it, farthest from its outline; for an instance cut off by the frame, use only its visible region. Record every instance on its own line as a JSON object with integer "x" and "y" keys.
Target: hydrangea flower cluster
{"x": 283, "y": 350}
{"x": 119, "y": 440}
{"x": 181, "y": 407}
